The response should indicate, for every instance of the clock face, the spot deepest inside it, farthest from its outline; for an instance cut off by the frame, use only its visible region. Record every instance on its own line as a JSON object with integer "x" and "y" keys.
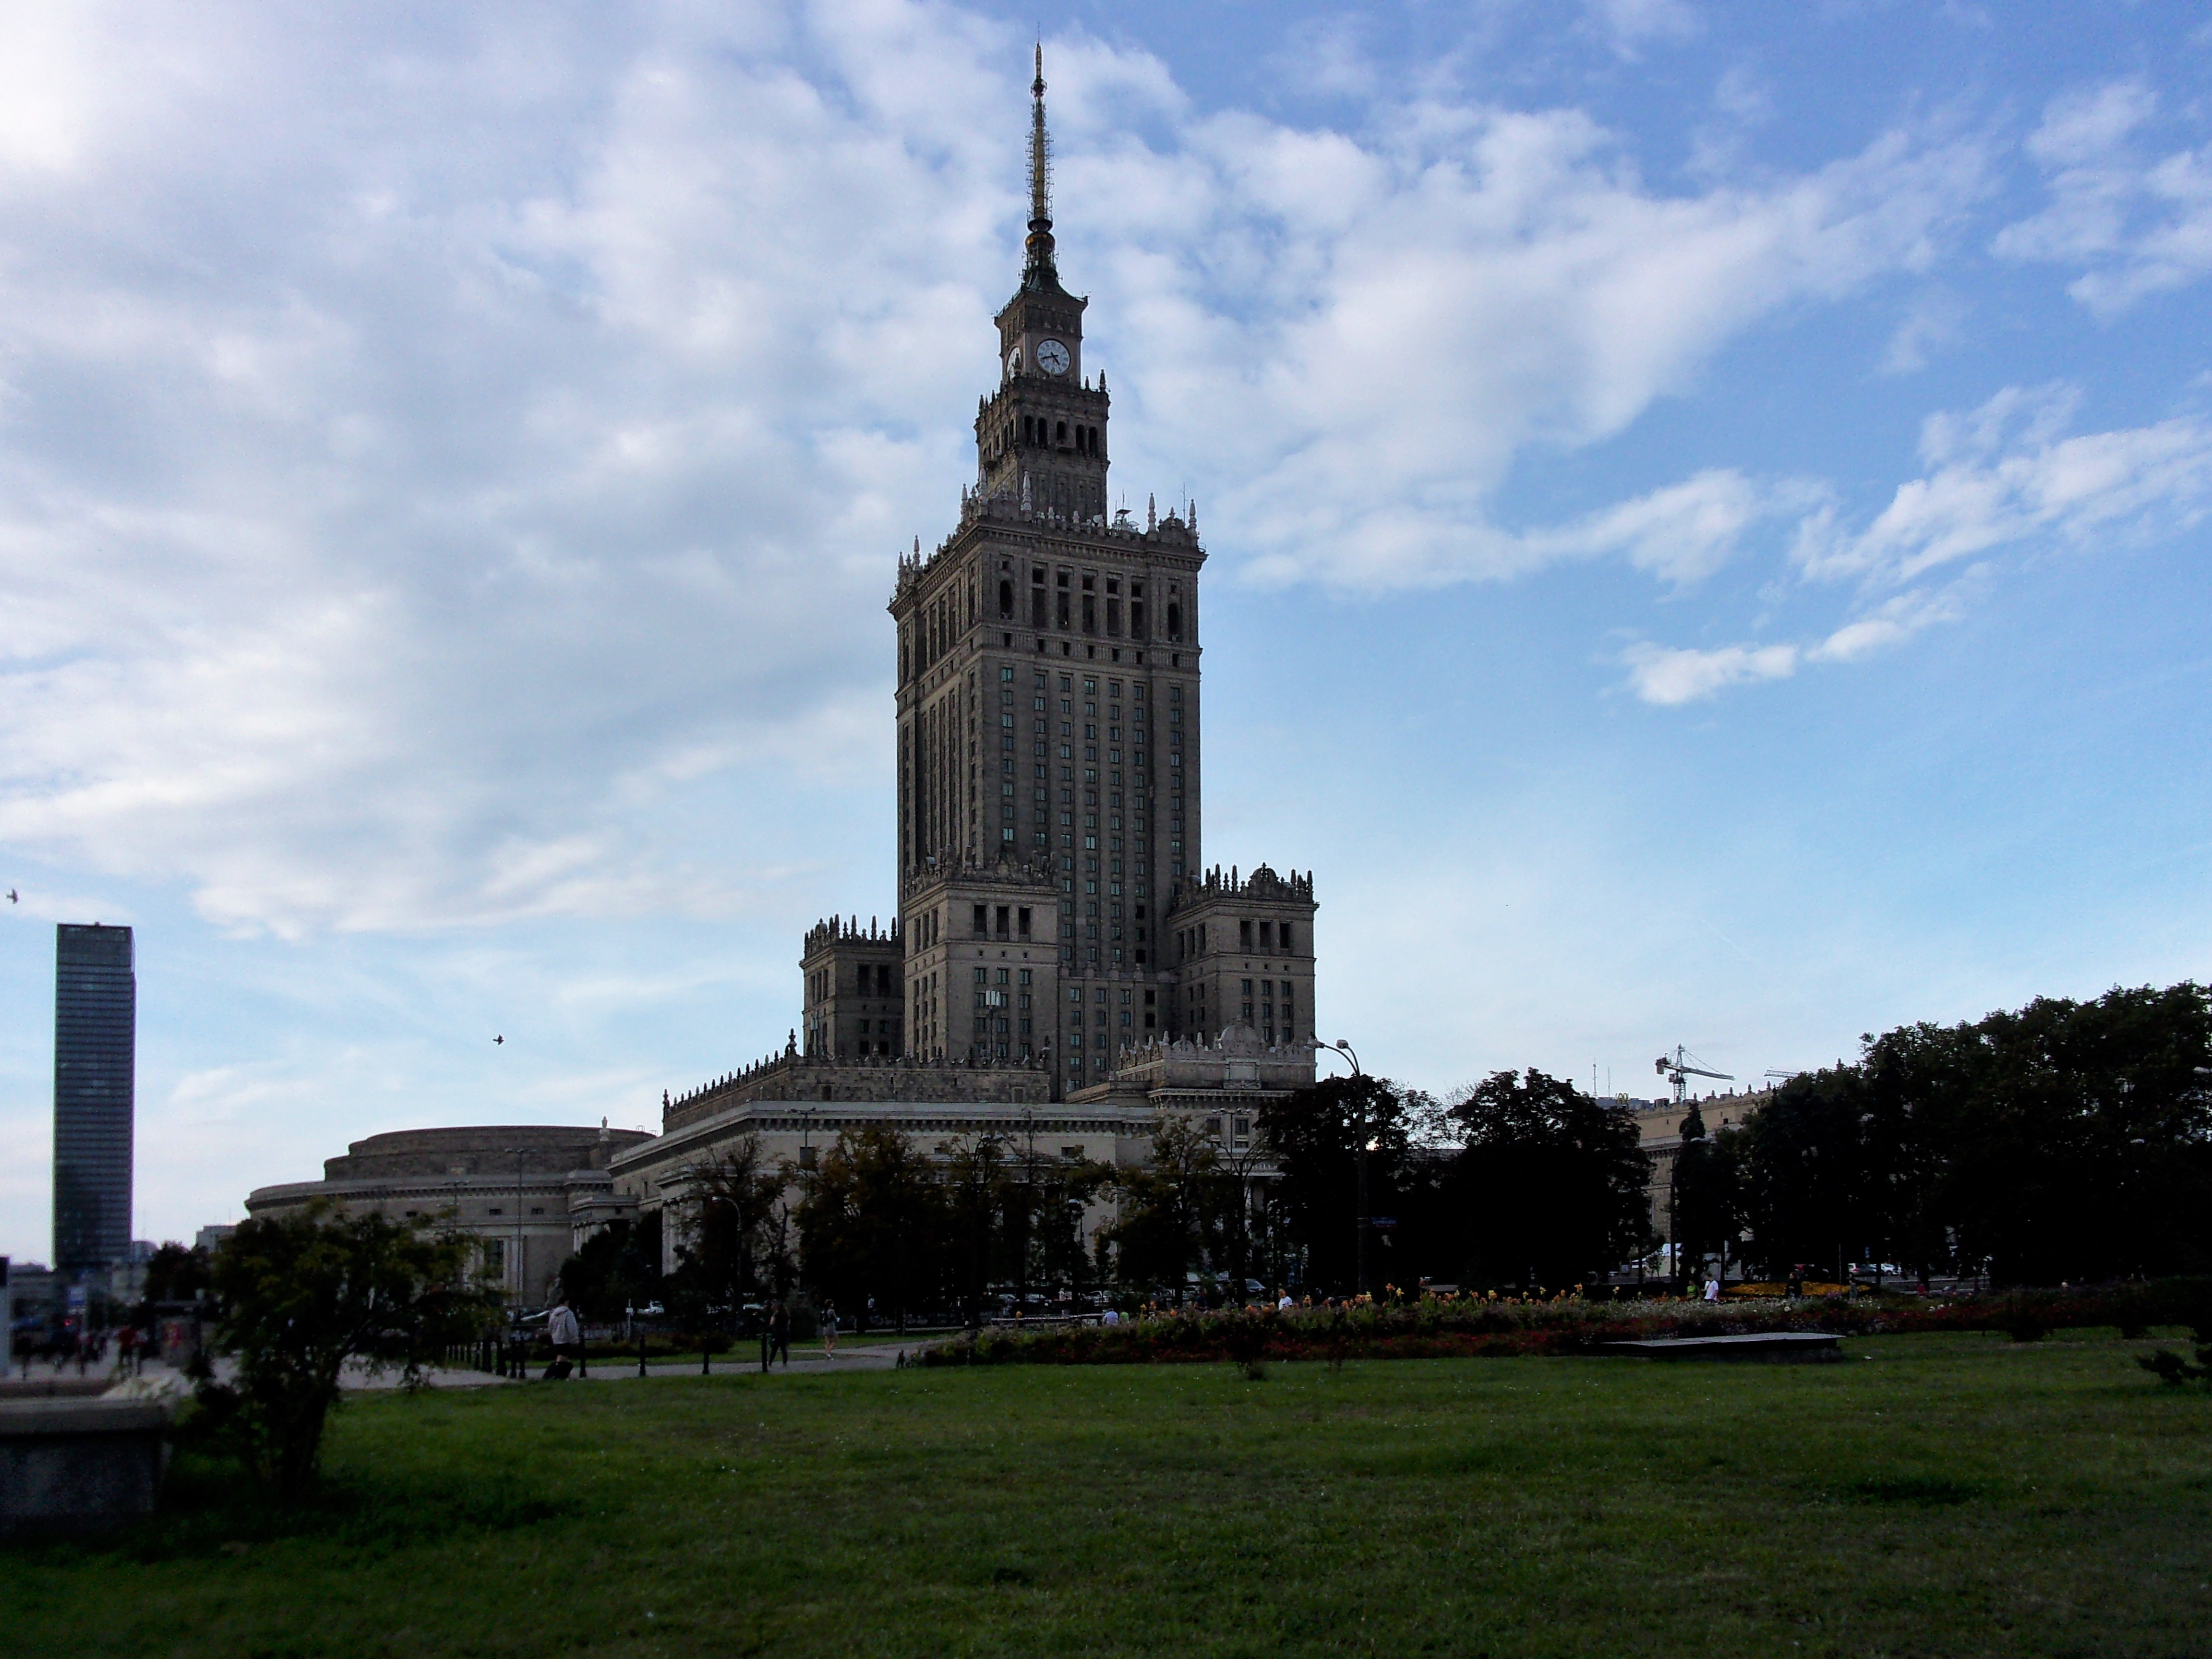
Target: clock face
{"x": 1052, "y": 356}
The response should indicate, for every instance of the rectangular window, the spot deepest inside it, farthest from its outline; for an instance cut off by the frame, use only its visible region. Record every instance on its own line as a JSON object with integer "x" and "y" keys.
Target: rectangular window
{"x": 982, "y": 921}
{"x": 1243, "y": 943}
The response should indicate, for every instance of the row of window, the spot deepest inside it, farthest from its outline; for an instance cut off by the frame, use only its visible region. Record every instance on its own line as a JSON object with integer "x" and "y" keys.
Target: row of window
{"x": 1039, "y": 431}
{"x": 1274, "y": 937}
{"x": 1066, "y": 607}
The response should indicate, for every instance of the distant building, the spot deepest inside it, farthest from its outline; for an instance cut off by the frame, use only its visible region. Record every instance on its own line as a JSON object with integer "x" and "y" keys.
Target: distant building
{"x": 1659, "y": 1130}
{"x": 528, "y": 1195}
{"x": 208, "y": 1238}
{"x": 32, "y": 1285}
{"x": 96, "y": 1049}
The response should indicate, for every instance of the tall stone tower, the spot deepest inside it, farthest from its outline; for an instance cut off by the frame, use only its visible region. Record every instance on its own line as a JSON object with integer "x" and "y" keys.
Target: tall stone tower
{"x": 1048, "y": 702}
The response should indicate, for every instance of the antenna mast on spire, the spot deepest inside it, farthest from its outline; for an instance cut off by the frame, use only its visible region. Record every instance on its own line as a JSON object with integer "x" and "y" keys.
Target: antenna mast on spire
{"x": 1040, "y": 244}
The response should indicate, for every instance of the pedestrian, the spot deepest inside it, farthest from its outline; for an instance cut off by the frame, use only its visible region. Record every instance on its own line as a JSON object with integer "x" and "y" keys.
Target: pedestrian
{"x": 1283, "y": 1303}
{"x": 566, "y": 1335}
{"x": 1712, "y": 1290}
{"x": 828, "y": 1328}
{"x": 779, "y": 1332}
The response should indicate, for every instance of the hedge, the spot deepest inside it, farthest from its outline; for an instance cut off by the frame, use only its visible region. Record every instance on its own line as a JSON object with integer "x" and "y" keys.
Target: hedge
{"x": 1446, "y": 1327}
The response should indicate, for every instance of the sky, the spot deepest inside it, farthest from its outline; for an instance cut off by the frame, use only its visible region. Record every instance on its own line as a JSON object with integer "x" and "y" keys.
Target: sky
{"x": 1706, "y": 510}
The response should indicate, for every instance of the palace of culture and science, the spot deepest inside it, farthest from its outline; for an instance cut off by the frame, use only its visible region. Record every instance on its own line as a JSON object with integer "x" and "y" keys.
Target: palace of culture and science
{"x": 1062, "y": 963}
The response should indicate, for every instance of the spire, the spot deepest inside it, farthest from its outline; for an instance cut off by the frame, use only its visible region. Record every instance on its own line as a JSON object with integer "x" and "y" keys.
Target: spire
{"x": 1040, "y": 238}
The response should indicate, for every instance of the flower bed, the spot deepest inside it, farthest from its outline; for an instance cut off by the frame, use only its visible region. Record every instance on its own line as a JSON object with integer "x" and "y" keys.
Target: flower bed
{"x": 1434, "y": 1328}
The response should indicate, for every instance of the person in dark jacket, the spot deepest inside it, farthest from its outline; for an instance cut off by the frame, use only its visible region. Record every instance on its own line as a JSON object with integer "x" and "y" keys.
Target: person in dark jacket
{"x": 779, "y": 1334}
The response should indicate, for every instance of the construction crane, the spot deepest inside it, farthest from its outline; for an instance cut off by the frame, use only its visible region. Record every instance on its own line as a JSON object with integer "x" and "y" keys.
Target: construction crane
{"x": 1675, "y": 1069}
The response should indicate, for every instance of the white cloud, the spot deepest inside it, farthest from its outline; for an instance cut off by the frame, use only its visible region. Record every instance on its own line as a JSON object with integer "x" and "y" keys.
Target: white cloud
{"x": 432, "y": 453}
{"x": 1369, "y": 337}
{"x": 1669, "y": 676}
{"x": 1682, "y": 533}
{"x": 2142, "y": 225}
{"x": 1933, "y": 321}
{"x": 1628, "y": 25}
{"x": 2005, "y": 474}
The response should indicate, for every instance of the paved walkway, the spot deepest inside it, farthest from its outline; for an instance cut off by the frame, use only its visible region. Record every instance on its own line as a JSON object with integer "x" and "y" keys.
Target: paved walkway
{"x": 160, "y": 1381}
{"x": 745, "y": 1361}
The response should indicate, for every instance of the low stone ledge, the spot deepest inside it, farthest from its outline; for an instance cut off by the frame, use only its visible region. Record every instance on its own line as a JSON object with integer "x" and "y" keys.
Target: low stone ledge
{"x": 1778, "y": 1348}
{"x": 54, "y": 1387}
{"x": 77, "y": 1465}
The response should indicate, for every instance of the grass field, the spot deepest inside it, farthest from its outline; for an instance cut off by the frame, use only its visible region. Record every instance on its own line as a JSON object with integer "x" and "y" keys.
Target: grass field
{"x": 1929, "y": 1496}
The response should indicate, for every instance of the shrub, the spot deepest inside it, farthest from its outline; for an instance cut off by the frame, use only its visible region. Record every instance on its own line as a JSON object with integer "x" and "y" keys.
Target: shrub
{"x": 298, "y": 1299}
{"x": 1437, "y": 1326}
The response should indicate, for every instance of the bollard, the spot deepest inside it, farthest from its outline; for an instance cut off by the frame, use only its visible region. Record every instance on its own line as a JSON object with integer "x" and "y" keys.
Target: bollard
{"x": 641, "y": 1353}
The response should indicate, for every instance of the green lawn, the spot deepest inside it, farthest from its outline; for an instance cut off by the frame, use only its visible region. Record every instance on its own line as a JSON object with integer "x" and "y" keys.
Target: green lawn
{"x": 1930, "y": 1495}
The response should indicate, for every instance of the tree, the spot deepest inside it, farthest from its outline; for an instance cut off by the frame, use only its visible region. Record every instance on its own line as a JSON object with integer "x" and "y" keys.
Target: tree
{"x": 2081, "y": 1146}
{"x": 1703, "y": 1200}
{"x": 1809, "y": 1190}
{"x": 875, "y": 1223}
{"x": 1550, "y": 1183}
{"x": 298, "y": 1298}
{"x": 736, "y": 1245}
{"x": 1172, "y": 1209}
{"x": 975, "y": 1176}
{"x": 178, "y": 1272}
{"x": 1316, "y": 1135}
{"x": 617, "y": 1269}
{"x": 2064, "y": 1140}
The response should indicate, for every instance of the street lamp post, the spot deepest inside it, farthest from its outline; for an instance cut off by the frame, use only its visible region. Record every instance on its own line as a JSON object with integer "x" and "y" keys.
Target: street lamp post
{"x": 515, "y": 1313}
{"x": 1361, "y": 1146}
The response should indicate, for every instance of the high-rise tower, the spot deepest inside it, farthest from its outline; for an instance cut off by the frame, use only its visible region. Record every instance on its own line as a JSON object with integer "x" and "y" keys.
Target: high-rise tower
{"x": 96, "y": 1051}
{"x": 1048, "y": 704}
{"x": 1062, "y": 963}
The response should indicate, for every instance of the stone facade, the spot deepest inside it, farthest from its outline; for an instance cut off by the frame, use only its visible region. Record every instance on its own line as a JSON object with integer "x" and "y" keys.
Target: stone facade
{"x": 1067, "y": 971}
{"x": 1052, "y": 907}
{"x": 794, "y": 1077}
{"x": 1659, "y": 1130}
{"x": 529, "y": 1195}
{"x": 854, "y": 990}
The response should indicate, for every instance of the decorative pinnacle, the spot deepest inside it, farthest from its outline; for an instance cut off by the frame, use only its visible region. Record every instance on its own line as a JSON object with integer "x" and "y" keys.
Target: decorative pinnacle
{"x": 1039, "y": 244}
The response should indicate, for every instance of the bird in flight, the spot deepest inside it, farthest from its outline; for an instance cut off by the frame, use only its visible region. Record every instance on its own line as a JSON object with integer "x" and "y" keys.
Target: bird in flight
{"x": 12, "y": 899}
{"x": 499, "y": 1039}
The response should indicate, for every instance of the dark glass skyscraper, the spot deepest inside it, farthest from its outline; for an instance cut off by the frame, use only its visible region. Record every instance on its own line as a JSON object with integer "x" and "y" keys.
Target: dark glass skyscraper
{"x": 95, "y": 1065}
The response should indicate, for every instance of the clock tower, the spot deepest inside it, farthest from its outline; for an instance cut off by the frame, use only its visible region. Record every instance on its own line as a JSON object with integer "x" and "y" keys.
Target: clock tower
{"x": 1054, "y": 910}
{"x": 1042, "y": 439}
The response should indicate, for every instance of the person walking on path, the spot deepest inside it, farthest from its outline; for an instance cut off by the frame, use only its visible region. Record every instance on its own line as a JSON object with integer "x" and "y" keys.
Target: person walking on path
{"x": 566, "y": 1335}
{"x": 829, "y": 1329}
{"x": 1712, "y": 1290}
{"x": 779, "y": 1334}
